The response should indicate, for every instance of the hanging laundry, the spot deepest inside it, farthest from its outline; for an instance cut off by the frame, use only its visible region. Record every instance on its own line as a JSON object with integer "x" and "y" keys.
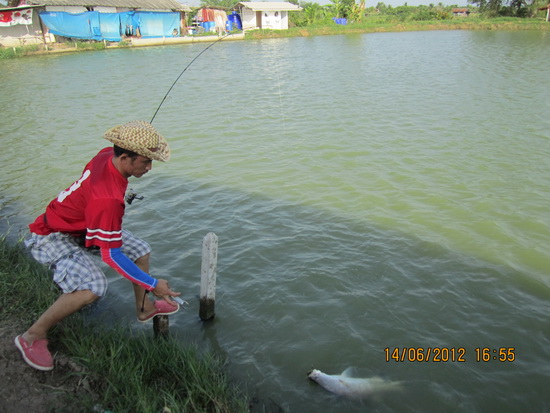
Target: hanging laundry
{"x": 11, "y": 18}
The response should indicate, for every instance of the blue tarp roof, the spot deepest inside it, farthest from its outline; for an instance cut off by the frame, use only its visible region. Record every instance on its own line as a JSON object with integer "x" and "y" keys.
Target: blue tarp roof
{"x": 93, "y": 25}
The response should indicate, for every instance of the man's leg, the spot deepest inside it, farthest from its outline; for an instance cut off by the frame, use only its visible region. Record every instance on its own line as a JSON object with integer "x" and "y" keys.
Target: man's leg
{"x": 142, "y": 301}
{"x": 64, "y": 306}
{"x": 139, "y": 251}
{"x": 145, "y": 305}
{"x": 33, "y": 344}
{"x": 81, "y": 281}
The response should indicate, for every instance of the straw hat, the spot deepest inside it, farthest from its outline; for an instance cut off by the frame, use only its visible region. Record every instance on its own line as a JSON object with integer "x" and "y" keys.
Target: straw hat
{"x": 140, "y": 137}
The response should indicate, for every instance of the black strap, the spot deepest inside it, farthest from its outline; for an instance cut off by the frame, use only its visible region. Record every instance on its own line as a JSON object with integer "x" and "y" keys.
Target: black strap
{"x": 143, "y": 302}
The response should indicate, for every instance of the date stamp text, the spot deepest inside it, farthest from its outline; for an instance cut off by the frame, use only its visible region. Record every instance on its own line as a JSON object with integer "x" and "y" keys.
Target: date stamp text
{"x": 449, "y": 354}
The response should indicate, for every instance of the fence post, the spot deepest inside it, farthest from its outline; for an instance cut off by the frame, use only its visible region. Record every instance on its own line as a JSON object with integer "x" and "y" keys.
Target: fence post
{"x": 161, "y": 326}
{"x": 208, "y": 276}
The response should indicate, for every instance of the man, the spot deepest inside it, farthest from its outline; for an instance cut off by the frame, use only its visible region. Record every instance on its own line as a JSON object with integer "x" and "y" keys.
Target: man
{"x": 87, "y": 217}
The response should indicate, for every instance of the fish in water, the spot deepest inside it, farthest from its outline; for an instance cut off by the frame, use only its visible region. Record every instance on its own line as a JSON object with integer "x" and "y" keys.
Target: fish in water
{"x": 346, "y": 385}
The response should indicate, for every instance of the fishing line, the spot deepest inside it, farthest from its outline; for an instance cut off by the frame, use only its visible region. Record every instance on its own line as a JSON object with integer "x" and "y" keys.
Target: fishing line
{"x": 183, "y": 71}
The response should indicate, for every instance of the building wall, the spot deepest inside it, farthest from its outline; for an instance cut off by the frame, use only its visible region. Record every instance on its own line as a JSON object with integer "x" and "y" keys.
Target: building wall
{"x": 277, "y": 20}
{"x": 102, "y": 9}
{"x": 248, "y": 18}
{"x": 24, "y": 34}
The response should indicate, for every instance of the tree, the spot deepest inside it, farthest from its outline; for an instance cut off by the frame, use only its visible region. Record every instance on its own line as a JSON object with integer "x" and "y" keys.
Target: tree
{"x": 381, "y": 7}
{"x": 222, "y": 4}
{"x": 520, "y": 7}
{"x": 343, "y": 8}
{"x": 490, "y": 7}
{"x": 310, "y": 14}
{"x": 313, "y": 12}
{"x": 357, "y": 11}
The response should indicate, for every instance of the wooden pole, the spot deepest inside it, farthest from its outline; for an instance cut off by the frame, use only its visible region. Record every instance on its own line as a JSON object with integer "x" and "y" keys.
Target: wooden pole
{"x": 161, "y": 326}
{"x": 208, "y": 276}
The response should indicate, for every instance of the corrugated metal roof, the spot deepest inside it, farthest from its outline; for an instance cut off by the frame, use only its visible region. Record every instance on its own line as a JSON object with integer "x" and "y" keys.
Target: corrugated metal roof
{"x": 270, "y": 6}
{"x": 23, "y": 7}
{"x": 132, "y": 4}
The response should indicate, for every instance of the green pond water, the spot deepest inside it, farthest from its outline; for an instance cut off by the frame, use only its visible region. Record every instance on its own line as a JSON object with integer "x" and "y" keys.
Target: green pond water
{"x": 369, "y": 192}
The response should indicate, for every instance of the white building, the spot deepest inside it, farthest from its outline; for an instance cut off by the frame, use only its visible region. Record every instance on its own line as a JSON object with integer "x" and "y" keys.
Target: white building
{"x": 266, "y": 15}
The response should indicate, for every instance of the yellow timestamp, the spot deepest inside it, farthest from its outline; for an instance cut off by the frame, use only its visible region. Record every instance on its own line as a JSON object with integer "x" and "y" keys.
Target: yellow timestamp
{"x": 503, "y": 354}
{"x": 449, "y": 354}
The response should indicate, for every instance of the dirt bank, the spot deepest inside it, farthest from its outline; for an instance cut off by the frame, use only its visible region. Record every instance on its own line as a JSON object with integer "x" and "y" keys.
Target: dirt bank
{"x": 25, "y": 390}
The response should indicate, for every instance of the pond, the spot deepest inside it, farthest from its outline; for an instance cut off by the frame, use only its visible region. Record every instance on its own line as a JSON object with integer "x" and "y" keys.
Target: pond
{"x": 370, "y": 193}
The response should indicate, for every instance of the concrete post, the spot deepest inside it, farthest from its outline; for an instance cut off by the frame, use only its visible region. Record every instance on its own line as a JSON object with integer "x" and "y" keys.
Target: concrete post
{"x": 208, "y": 276}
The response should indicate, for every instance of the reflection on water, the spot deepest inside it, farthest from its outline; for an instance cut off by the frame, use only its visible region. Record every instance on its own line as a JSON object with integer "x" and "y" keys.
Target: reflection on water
{"x": 368, "y": 191}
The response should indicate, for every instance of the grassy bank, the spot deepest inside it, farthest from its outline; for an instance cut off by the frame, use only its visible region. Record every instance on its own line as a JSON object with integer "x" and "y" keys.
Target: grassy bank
{"x": 125, "y": 371}
{"x": 34, "y": 49}
{"x": 377, "y": 24}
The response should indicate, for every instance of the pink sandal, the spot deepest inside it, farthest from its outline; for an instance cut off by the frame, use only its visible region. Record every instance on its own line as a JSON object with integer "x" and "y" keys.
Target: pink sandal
{"x": 161, "y": 308}
{"x": 37, "y": 354}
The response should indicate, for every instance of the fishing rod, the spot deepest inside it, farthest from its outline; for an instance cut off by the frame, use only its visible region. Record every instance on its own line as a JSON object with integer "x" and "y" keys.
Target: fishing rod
{"x": 183, "y": 71}
{"x": 131, "y": 196}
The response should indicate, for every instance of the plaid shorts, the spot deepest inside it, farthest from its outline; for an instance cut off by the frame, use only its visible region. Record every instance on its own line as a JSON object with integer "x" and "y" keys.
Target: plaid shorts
{"x": 76, "y": 267}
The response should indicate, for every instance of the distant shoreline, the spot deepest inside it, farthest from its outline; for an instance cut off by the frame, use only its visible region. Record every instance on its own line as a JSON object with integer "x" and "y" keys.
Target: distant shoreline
{"x": 373, "y": 25}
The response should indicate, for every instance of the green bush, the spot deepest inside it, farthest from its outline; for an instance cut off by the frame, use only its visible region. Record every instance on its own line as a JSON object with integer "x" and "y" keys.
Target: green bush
{"x": 89, "y": 45}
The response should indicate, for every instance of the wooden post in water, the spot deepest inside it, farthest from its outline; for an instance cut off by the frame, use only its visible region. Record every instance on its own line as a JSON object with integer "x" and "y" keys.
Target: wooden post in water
{"x": 161, "y": 326}
{"x": 208, "y": 276}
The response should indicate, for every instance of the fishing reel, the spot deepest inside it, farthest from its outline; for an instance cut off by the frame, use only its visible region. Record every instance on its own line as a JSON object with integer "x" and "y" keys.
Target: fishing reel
{"x": 131, "y": 195}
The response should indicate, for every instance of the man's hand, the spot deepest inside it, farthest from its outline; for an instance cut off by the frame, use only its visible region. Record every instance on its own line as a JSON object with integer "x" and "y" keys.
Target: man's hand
{"x": 162, "y": 290}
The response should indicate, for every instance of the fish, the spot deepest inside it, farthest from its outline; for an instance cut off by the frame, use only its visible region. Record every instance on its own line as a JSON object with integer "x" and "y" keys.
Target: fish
{"x": 352, "y": 387}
